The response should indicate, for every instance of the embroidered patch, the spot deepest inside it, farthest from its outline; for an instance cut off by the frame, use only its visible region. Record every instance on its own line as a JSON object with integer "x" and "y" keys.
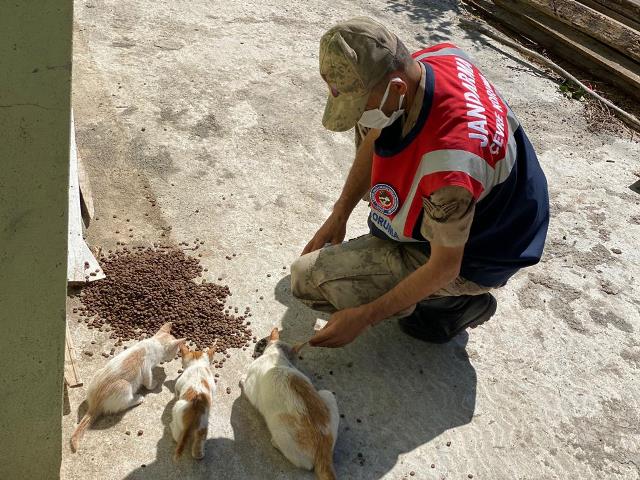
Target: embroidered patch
{"x": 384, "y": 199}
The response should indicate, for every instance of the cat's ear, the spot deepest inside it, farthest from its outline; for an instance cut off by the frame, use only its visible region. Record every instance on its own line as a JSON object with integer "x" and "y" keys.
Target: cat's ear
{"x": 166, "y": 328}
{"x": 184, "y": 350}
{"x": 212, "y": 350}
{"x": 176, "y": 344}
{"x": 275, "y": 335}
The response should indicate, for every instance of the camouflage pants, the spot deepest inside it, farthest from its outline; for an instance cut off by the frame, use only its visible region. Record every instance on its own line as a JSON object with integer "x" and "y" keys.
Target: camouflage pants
{"x": 359, "y": 271}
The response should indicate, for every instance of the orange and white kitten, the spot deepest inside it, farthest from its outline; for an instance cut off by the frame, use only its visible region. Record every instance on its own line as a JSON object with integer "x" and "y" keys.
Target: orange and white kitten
{"x": 114, "y": 387}
{"x": 303, "y": 422}
{"x": 194, "y": 389}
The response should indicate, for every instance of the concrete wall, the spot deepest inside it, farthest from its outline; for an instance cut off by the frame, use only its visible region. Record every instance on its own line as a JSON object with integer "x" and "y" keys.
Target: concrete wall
{"x": 35, "y": 90}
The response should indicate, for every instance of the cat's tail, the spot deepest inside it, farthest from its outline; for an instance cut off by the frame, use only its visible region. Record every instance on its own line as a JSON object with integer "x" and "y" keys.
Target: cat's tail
{"x": 323, "y": 465}
{"x": 191, "y": 419}
{"x": 79, "y": 431}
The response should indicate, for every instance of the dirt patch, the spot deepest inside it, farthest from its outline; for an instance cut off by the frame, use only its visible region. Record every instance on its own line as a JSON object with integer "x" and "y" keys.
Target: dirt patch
{"x": 560, "y": 304}
{"x": 597, "y": 255}
{"x": 632, "y": 357}
{"x": 206, "y": 126}
{"x": 610, "y": 318}
{"x": 601, "y": 119}
{"x": 602, "y": 446}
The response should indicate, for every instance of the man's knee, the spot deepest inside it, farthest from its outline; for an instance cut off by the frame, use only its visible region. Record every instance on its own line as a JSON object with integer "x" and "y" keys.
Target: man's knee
{"x": 301, "y": 283}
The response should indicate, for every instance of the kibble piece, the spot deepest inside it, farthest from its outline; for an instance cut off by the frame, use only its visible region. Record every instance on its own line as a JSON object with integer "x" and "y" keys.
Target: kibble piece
{"x": 127, "y": 432}
{"x": 412, "y": 473}
{"x": 448, "y": 444}
{"x": 140, "y": 432}
{"x": 228, "y": 389}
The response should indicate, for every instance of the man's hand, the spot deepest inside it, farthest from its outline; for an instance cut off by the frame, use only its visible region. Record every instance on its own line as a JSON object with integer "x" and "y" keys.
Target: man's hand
{"x": 342, "y": 328}
{"x": 332, "y": 231}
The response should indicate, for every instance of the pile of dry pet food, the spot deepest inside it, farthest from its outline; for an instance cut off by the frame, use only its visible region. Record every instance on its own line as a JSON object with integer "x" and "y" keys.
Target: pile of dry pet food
{"x": 146, "y": 287}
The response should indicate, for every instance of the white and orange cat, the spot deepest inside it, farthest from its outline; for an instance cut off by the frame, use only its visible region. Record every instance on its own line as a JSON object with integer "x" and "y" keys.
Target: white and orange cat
{"x": 114, "y": 387}
{"x": 303, "y": 421}
{"x": 194, "y": 389}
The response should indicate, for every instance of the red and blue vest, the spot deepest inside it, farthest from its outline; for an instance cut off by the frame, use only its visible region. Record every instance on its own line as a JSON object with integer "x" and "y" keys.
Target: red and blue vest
{"x": 465, "y": 135}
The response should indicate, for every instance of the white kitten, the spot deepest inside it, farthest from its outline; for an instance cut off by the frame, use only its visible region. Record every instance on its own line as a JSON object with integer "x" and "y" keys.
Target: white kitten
{"x": 194, "y": 389}
{"x": 114, "y": 387}
{"x": 303, "y": 422}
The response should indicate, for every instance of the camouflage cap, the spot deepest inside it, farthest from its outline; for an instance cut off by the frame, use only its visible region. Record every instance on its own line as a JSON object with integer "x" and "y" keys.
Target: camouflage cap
{"x": 354, "y": 57}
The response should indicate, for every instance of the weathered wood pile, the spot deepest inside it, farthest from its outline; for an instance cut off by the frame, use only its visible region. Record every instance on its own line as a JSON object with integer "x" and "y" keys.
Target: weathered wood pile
{"x": 598, "y": 36}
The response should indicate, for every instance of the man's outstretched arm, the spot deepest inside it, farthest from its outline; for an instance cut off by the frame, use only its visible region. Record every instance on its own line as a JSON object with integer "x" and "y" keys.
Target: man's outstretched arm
{"x": 344, "y": 326}
{"x": 448, "y": 215}
{"x": 356, "y": 186}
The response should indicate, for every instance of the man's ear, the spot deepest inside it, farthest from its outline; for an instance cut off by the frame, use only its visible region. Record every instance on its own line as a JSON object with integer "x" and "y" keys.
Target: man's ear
{"x": 399, "y": 86}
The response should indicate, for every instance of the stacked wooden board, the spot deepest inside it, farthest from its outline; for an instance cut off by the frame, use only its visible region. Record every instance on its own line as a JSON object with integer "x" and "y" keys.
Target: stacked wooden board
{"x": 598, "y": 36}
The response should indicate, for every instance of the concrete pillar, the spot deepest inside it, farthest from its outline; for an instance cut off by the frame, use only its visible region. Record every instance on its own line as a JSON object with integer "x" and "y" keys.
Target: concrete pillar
{"x": 35, "y": 96}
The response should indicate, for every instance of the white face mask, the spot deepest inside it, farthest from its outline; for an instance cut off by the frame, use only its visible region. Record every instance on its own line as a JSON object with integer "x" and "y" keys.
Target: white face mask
{"x": 376, "y": 118}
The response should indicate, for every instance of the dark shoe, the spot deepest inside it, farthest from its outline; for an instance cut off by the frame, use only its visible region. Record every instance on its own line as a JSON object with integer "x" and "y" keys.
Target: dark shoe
{"x": 441, "y": 319}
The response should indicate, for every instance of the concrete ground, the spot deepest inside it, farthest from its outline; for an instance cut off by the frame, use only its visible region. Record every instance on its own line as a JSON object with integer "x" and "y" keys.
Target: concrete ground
{"x": 212, "y": 110}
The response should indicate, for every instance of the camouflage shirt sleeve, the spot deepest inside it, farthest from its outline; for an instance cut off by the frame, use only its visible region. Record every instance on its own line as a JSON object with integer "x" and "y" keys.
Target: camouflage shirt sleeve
{"x": 448, "y": 214}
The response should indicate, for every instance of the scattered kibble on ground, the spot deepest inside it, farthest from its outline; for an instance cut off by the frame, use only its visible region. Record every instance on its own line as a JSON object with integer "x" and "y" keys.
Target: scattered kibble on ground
{"x": 146, "y": 287}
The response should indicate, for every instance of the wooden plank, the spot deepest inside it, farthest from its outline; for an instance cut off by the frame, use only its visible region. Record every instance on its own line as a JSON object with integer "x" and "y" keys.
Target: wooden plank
{"x": 78, "y": 253}
{"x": 593, "y": 23}
{"x": 71, "y": 374}
{"x": 634, "y": 24}
{"x": 628, "y": 8}
{"x": 624, "y": 73}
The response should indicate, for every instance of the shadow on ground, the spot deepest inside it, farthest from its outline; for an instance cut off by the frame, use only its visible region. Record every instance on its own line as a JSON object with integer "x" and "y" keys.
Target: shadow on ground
{"x": 396, "y": 394}
{"x": 437, "y": 17}
{"x": 248, "y": 456}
